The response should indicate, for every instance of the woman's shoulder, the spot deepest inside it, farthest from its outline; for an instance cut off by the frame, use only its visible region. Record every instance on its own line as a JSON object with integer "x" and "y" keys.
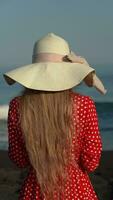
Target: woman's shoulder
{"x": 77, "y": 97}
{"x": 13, "y": 112}
{"x": 83, "y": 104}
{"x": 14, "y": 102}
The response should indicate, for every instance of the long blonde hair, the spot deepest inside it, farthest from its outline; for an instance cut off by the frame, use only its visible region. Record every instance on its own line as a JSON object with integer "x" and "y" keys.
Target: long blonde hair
{"x": 47, "y": 125}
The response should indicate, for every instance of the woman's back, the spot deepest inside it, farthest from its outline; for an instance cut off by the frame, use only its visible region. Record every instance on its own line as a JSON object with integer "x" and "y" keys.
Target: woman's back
{"x": 53, "y": 131}
{"x": 85, "y": 152}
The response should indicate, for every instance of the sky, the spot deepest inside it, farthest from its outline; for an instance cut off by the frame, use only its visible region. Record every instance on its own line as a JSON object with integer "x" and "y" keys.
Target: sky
{"x": 87, "y": 25}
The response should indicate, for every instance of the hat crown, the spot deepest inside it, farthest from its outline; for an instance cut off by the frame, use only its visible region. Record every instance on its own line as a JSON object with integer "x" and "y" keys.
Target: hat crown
{"x": 46, "y": 73}
{"x": 51, "y": 43}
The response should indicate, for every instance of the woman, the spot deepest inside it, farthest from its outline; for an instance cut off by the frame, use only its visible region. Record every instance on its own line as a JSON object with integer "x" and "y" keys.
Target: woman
{"x": 52, "y": 130}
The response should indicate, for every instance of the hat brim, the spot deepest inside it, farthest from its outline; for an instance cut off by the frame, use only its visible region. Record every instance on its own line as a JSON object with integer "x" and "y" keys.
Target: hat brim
{"x": 49, "y": 76}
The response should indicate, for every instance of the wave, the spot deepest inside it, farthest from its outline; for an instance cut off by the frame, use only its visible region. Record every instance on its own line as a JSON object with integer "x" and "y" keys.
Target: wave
{"x": 107, "y": 129}
{"x": 4, "y": 111}
{"x": 104, "y": 106}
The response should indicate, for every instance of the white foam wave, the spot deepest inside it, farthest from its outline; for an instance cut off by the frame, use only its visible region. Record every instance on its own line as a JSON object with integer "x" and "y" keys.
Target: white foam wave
{"x": 4, "y": 111}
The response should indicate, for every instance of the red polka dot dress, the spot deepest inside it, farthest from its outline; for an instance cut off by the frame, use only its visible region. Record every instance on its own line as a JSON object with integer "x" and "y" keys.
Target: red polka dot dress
{"x": 87, "y": 155}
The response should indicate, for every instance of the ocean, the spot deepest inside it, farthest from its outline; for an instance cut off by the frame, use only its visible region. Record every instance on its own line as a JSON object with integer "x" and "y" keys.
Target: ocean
{"x": 104, "y": 106}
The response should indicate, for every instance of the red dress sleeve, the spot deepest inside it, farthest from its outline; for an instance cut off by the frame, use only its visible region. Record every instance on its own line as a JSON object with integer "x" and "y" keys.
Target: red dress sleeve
{"x": 92, "y": 144}
{"x": 16, "y": 149}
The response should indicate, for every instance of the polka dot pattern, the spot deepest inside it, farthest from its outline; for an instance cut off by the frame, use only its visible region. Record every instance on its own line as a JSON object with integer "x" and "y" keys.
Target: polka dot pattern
{"x": 86, "y": 154}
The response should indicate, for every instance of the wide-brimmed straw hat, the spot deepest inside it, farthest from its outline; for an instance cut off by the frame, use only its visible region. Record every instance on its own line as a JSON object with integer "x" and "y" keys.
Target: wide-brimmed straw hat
{"x": 54, "y": 67}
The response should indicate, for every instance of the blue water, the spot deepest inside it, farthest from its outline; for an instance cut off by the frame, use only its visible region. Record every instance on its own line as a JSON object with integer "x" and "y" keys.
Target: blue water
{"x": 104, "y": 105}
